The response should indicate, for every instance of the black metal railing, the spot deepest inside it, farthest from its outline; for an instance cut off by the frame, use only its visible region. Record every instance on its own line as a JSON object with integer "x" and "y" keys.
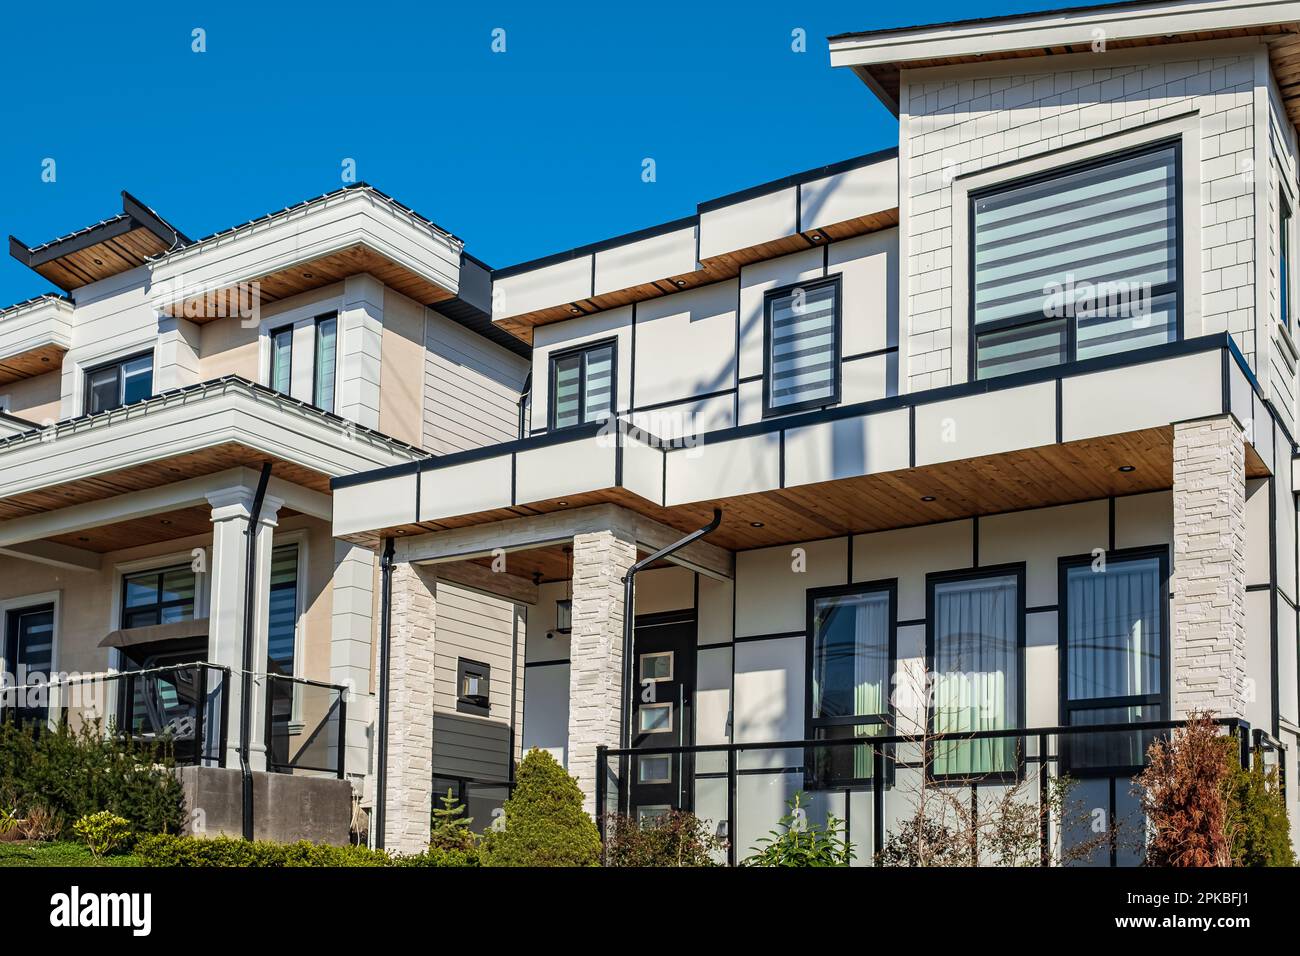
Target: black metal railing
{"x": 1074, "y": 784}
{"x": 306, "y": 726}
{"x": 181, "y": 709}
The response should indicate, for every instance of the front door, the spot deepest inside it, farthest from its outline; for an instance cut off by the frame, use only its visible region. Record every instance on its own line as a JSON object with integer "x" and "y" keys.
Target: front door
{"x": 29, "y": 654}
{"x": 662, "y": 714}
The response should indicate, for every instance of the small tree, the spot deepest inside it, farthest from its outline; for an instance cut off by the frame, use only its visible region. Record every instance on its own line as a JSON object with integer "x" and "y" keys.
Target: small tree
{"x": 1257, "y": 821}
{"x": 1184, "y": 795}
{"x": 678, "y": 838}
{"x": 545, "y": 824}
{"x": 450, "y": 828}
{"x": 796, "y": 842}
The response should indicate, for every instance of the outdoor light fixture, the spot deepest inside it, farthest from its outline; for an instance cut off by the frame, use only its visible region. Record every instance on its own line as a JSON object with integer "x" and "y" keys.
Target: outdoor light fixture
{"x": 564, "y": 606}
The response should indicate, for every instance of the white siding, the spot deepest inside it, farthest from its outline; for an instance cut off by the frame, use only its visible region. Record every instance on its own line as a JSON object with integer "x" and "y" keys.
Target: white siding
{"x": 471, "y": 388}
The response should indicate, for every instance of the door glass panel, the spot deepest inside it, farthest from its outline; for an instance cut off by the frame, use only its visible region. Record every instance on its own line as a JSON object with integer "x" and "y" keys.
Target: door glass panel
{"x": 657, "y": 769}
{"x": 656, "y": 718}
{"x": 657, "y": 667}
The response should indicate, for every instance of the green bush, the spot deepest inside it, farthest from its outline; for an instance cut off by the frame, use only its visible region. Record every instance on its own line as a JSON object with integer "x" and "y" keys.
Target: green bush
{"x": 173, "y": 851}
{"x": 677, "y": 838}
{"x": 451, "y": 828}
{"x": 544, "y": 823}
{"x": 799, "y": 843}
{"x": 103, "y": 832}
{"x": 68, "y": 775}
{"x": 1257, "y": 821}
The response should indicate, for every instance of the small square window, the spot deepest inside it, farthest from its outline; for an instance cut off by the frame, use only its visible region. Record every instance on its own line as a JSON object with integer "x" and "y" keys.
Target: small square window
{"x": 649, "y": 816}
{"x": 655, "y": 718}
{"x": 656, "y": 769}
{"x": 472, "y": 684}
{"x": 657, "y": 667}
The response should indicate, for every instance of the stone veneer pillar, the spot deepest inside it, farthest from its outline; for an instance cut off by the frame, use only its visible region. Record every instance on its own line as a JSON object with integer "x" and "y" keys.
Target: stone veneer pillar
{"x": 1209, "y": 574}
{"x": 600, "y": 561}
{"x": 409, "y": 783}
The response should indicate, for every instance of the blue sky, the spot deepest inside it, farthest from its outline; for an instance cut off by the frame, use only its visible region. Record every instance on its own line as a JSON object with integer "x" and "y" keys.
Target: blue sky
{"x": 521, "y": 153}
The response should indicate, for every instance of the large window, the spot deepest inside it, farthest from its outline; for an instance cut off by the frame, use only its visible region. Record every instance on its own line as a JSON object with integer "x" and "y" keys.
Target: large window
{"x": 1076, "y": 264}
{"x": 282, "y": 629}
{"x": 582, "y": 385}
{"x": 801, "y": 365}
{"x": 28, "y": 651}
{"x": 1113, "y": 641}
{"x": 326, "y": 356}
{"x": 851, "y": 650}
{"x": 119, "y": 383}
{"x": 976, "y": 639}
{"x": 163, "y": 596}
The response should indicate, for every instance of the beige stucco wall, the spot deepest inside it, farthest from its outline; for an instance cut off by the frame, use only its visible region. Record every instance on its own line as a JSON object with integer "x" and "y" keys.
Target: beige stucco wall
{"x": 35, "y": 399}
{"x": 401, "y": 374}
{"x": 226, "y": 347}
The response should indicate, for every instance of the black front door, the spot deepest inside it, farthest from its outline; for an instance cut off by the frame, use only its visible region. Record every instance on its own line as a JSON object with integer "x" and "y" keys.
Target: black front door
{"x": 29, "y": 654}
{"x": 662, "y": 714}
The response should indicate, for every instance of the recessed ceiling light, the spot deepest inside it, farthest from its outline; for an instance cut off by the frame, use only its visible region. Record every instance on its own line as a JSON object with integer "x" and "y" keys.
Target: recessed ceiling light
{"x": 308, "y": 275}
{"x": 574, "y": 309}
{"x": 99, "y": 262}
{"x": 165, "y": 521}
{"x": 816, "y": 237}
{"x": 1127, "y": 468}
{"x": 679, "y": 282}
{"x": 561, "y": 503}
{"x": 82, "y": 538}
{"x": 927, "y": 497}
{"x": 756, "y": 524}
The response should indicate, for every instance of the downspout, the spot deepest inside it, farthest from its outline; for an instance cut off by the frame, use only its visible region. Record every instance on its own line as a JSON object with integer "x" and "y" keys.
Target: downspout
{"x": 629, "y": 618}
{"x": 246, "y": 678}
{"x": 524, "y": 396}
{"x": 385, "y": 627}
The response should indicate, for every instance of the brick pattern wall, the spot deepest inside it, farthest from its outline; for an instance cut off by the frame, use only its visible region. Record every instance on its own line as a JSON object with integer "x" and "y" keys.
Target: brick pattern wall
{"x": 955, "y": 127}
{"x": 410, "y": 710}
{"x": 600, "y": 561}
{"x": 1209, "y": 574}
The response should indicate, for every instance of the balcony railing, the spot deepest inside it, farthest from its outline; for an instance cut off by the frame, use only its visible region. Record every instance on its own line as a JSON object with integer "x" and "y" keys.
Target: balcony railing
{"x": 1073, "y": 785}
{"x": 305, "y": 724}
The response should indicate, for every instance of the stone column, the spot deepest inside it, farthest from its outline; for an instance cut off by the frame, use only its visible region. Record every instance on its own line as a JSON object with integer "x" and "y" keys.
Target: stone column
{"x": 351, "y": 649}
{"x": 231, "y": 511}
{"x": 409, "y": 783}
{"x": 600, "y": 562}
{"x": 1209, "y": 574}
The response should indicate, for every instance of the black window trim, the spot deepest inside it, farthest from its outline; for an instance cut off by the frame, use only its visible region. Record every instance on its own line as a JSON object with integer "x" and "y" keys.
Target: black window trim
{"x": 553, "y": 357}
{"x": 1056, "y": 172}
{"x": 115, "y": 363}
{"x": 315, "y": 365}
{"x": 888, "y": 720}
{"x": 160, "y": 606}
{"x": 836, "y": 282}
{"x": 270, "y": 370}
{"x": 464, "y": 706}
{"x": 1016, "y": 569}
{"x": 1164, "y": 698}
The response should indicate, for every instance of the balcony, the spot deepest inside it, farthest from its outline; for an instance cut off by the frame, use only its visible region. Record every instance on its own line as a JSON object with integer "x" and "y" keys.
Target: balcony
{"x": 1060, "y": 781}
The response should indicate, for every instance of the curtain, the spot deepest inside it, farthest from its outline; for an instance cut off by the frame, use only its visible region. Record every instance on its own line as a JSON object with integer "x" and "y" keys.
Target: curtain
{"x": 851, "y": 666}
{"x": 803, "y": 360}
{"x": 976, "y": 661}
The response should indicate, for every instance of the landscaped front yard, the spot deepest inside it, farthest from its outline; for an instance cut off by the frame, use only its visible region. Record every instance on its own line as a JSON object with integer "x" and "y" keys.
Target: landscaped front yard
{"x": 59, "y": 853}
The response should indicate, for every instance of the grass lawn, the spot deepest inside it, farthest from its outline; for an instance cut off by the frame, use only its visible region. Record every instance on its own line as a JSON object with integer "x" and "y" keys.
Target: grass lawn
{"x": 59, "y": 853}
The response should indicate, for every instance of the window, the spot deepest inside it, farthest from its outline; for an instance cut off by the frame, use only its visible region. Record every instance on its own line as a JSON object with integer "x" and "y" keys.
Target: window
{"x": 850, "y": 667}
{"x": 655, "y": 769}
{"x": 1284, "y": 260}
{"x": 801, "y": 366}
{"x": 473, "y": 681}
{"x": 582, "y": 385}
{"x": 282, "y": 622}
{"x": 655, "y": 718}
{"x": 120, "y": 383}
{"x": 975, "y": 637}
{"x": 163, "y": 596}
{"x": 1076, "y": 264}
{"x": 326, "y": 353}
{"x": 28, "y": 658}
{"x": 282, "y": 360}
{"x": 656, "y": 667}
{"x": 1113, "y": 648}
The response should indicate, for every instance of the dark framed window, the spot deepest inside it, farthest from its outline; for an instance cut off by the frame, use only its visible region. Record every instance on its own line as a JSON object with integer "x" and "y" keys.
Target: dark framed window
{"x": 1284, "y": 259}
{"x": 327, "y": 328}
{"x": 801, "y": 346}
{"x": 473, "y": 682}
{"x": 583, "y": 381}
{"x": 852, "y": 648}
{"x": 282, "y": 621}
{"x": 1114, "y": 653}
{"x": 281, "y": 378}
{"x": 119, "y": 383}
{"x": 162, "y": 596}
{"x": 974, "y": 648}
{"x": 28, "y": 648}
{"x": 1076, "y": 263}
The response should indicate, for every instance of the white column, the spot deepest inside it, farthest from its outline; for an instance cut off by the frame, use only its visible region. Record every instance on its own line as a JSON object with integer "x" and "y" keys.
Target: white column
{"x": 176, "y": 355}
{"x": 361, "y": 333}
{"x": 231, "y": 511}
{"x": 352, "y": 649}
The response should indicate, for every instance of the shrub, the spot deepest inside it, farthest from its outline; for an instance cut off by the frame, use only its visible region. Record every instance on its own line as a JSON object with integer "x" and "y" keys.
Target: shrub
{"x": 1257, "y": 820}
{"x": 9, "y": 821}
{"x": 678, "y": 838}
{"x": 1184, "y": 795}
{"x": 796, "y": 842}
{"x": 63, "y": 775}
{"x": 921, "y": 841}
{"x": 40, "y": 824}
{"x": 102, "y": 832}
{"x": 450, "y": 830}
{"x": 174, "y": 851}
{"x": 544, "y": 823}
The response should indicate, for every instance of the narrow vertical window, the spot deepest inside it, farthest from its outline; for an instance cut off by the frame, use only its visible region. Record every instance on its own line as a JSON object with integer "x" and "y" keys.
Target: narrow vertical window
{"x": 582, "y": 385}
{"x": 1284, "y": 260}
{"x": 283, "y": 619}
{"x": 801, "y": 365}
{"x": 281, "y": 359}
{"x": 326, "y": 350}
{"x": 975, "y": 647}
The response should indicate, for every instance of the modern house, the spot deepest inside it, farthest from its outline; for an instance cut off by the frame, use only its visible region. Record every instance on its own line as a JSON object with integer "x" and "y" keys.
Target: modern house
{"x": 965, "y": 465}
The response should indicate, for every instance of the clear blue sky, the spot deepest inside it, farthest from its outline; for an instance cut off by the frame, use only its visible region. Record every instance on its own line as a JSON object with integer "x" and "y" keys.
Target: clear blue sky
{"x": 520, "y": 154}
